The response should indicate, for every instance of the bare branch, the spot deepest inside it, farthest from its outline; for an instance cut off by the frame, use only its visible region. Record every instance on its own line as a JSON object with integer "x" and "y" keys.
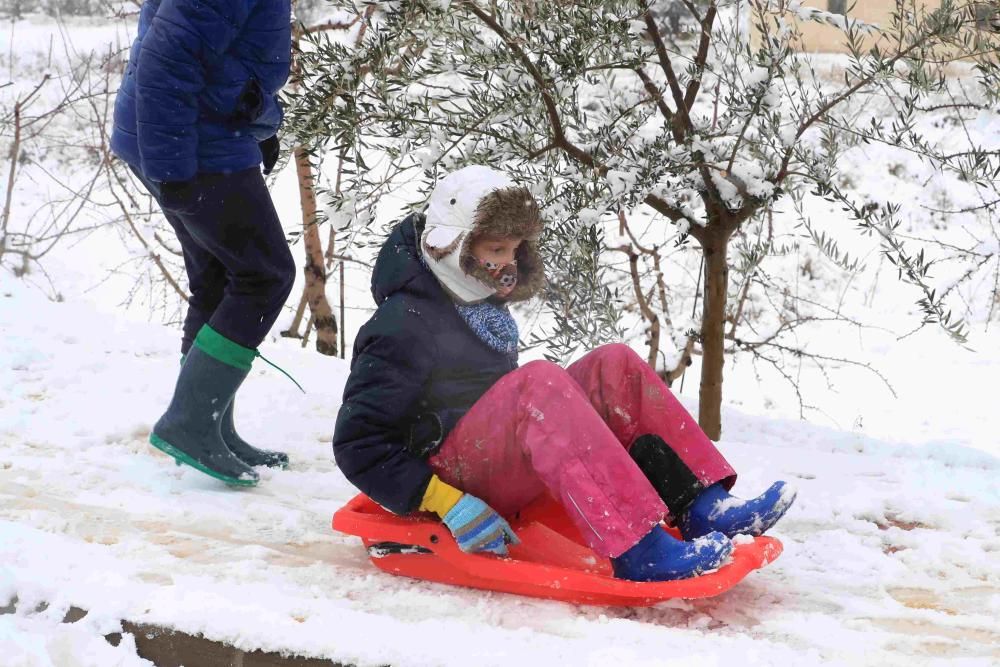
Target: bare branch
{"x": 657, "y": 97}
{"x": 668, "y": 70}
{"x": 700, "y": 58}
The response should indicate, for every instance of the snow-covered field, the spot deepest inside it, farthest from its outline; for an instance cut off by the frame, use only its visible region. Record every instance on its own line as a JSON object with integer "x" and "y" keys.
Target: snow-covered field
{"x": 892, "y": 552}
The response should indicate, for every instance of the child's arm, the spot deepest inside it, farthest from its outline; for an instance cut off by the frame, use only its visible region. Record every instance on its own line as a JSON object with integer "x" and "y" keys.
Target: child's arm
{"x": 170, "y": 75}
{"x": 394, "y": 355}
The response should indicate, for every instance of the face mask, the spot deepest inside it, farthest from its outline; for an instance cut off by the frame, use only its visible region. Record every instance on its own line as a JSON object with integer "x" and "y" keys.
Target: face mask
{"x": 505, "y": 274}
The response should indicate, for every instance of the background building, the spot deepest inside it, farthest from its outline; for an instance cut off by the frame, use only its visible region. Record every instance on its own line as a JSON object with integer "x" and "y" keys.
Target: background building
{"x": 818, "y": 37}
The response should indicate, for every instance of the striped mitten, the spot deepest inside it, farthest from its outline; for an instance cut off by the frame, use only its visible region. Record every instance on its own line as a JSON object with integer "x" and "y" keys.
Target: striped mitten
{"x": 477, "y": 527}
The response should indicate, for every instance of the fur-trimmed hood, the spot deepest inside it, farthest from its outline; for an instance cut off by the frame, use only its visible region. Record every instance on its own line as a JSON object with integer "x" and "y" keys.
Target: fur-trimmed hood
{"x": 474, "y": 202}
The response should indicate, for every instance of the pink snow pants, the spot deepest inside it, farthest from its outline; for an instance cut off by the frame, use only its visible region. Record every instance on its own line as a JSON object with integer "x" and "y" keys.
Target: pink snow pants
{"x": 566, "y": 431}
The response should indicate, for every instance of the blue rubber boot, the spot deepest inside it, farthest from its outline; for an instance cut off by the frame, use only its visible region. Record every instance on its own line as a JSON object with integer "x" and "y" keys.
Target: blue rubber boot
{"x": 662, "y": 557}
{"x": 715, "y": 510}
{"x": 190, "y": 429}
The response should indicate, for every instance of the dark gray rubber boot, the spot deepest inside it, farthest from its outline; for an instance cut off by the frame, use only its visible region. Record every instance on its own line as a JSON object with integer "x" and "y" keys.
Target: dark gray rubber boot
{"x": 244, "y": 450}
{"x": 190, "y": 429}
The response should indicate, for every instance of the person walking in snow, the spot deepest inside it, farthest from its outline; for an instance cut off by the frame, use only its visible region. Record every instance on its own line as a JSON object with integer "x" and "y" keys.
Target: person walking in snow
{"x": 195, "y": 116}
{"x": 437, "y": 416}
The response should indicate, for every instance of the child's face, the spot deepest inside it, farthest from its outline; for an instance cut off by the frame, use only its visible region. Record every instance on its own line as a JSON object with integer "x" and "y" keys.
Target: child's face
{"x": 496, "y": 254}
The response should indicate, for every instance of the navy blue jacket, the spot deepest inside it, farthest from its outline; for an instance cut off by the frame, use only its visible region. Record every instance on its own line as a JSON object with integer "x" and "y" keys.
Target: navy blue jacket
{"x": 200, "y": 88}
{"x": 417, "y": 368}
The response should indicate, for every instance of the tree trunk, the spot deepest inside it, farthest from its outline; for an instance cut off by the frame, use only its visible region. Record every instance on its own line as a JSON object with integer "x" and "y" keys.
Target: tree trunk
{"x": 713, "y": 335}
{"x": 320, "y": 311}
{"x": 343, "y": 315}
{"x": 14, "y": 152}
{"x": 300, "y": 311}
{"x": 315, "y": 269}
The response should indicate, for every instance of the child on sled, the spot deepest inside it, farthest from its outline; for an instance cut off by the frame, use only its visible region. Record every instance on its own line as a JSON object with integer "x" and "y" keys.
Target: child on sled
{"x": 437, "y": 416}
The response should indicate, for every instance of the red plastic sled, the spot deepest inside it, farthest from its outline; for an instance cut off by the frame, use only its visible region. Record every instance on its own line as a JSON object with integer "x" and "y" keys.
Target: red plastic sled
{"x": 551, "y": 561}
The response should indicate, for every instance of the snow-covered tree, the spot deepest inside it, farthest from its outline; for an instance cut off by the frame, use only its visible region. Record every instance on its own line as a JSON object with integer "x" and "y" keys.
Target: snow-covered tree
{"x": 700, "y": 116}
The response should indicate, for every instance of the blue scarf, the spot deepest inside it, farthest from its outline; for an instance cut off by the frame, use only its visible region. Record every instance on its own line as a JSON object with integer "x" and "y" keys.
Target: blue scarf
{"x": 494, "y": 325}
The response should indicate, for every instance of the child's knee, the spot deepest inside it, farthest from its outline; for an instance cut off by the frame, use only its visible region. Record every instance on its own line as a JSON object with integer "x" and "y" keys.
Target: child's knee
{"x": 543, "y": 371}
{"x": 619, "y": 352}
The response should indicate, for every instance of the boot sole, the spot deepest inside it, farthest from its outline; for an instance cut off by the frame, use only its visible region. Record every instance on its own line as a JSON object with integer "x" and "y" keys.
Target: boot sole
{"x": 181, "y": 457}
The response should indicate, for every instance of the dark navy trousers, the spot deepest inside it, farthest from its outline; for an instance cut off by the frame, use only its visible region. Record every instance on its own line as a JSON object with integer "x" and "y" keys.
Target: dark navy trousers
{"x": 240, "y": 270}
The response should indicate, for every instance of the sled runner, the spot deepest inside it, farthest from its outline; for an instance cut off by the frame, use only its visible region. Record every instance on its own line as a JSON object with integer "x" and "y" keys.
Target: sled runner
{"x": 551, "y": 561}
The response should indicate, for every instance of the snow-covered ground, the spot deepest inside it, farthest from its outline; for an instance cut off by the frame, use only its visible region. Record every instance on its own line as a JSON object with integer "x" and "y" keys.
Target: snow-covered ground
{"x": 892, "y": 552}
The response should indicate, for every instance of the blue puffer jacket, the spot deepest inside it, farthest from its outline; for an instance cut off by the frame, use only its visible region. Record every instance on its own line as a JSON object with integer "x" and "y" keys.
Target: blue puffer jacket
{"x": 200, "y": 88}
{"x": 417, "y": 369}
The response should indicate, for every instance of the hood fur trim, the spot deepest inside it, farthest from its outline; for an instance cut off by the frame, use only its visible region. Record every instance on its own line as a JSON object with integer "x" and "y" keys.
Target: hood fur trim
{"x": 509, "y": 213}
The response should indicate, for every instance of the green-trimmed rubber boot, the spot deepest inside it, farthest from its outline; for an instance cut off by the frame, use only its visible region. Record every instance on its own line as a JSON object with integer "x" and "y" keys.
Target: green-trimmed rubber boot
{"x": 190, "y": 429}
{"x": 243, "y": 450}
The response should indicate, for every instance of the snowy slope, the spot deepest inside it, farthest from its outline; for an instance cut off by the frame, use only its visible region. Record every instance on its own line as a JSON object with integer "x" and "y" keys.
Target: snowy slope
{"x": 891, "y": 553}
